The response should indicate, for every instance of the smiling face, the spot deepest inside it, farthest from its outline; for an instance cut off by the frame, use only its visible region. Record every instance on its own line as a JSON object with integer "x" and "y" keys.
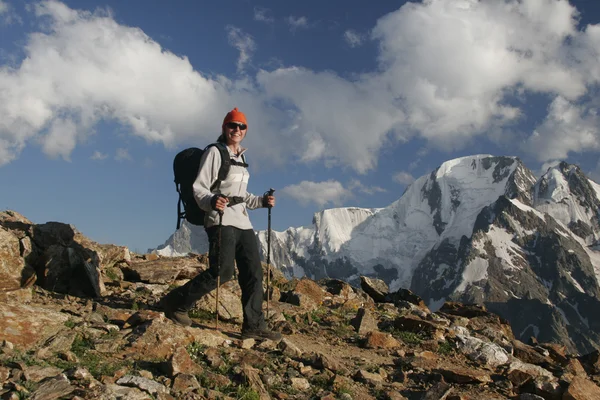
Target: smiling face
{"x": 233, "y": 132}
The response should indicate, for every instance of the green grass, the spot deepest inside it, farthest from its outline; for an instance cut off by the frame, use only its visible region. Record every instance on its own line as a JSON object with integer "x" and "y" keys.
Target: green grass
{"x": 196, "y": 350}
{"x": 409, "y": 337}
{"x": 246, "y": 393}
{"x": 111, "y": 334}
{"x": 97, "y": 364}
{"x": 111, "y": 274}
{"x": 26, "y": 358}
{"x": 81, "y": 345}
{"x": 445, "y": 348}
{"x": 202, "y": 315}
{"x": 70, "y": 323}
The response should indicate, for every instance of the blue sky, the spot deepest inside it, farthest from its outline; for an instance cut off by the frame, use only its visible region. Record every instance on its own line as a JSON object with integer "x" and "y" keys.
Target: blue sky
{"x": 347, "y": 101}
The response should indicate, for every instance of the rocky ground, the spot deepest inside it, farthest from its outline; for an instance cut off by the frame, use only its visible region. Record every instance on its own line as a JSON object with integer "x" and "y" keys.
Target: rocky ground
{"x": 78, "y": 321}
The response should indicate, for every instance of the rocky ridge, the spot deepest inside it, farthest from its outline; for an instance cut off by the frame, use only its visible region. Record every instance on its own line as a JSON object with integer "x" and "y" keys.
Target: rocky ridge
{"x": 79, "y": 322}
{"x": 478, "y": 229}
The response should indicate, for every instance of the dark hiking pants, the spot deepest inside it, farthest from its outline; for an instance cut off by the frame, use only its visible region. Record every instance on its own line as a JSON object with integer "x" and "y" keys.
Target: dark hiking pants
{"x": 237, "y": 246}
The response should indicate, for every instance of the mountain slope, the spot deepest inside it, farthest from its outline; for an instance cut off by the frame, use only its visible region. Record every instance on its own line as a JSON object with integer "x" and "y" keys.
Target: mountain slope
{"x": 478, "y": 229}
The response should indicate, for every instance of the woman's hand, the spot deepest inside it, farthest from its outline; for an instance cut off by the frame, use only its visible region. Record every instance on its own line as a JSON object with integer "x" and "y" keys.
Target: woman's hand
{"x": 269, "y": 201}
{"x": 219, "y": 202}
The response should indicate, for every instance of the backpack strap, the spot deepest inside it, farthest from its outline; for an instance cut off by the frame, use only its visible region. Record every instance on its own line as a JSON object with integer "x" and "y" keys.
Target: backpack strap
{"x": 180, "y": 215}
{"x": 225, "y": 164}
{"x": 239, "y": 163}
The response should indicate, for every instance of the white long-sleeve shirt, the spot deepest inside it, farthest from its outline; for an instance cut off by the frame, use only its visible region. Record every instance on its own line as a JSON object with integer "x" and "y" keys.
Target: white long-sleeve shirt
{"x": 235, "y": 184}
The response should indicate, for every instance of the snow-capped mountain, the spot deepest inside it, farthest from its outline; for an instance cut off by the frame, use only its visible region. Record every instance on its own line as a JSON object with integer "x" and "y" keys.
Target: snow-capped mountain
{"x": 478, "y": 229}
{"x": 390, "y": 243}
{"x": 187, "y": 239}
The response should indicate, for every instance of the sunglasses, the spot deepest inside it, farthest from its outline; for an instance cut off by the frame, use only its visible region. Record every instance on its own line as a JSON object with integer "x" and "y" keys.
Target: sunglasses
{"x": 234, "y": 125}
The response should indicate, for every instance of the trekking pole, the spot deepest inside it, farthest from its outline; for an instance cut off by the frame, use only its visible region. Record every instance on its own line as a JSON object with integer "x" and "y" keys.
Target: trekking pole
{"x": 269, "y": 193}
{"x": 218, "y": 272}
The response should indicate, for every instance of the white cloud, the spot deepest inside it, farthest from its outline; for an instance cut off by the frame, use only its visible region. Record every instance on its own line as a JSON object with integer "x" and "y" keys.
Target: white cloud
{"x": 243, "y": 42}
{"x": 353, "y": 38}
{"x": 86, "y": 68}
{"x": 454, "y": 62}
{"x": 320, "y": 193}
{"x": 263, "y": 15}
{"x": 99, "y": 155}
{"x": 449, "y": 71}
{"x": 568, "y": 127}
{"x": 317, "y": 97}
{"x": 122, "y": 154}
{"x": 357, "y": 186}
{"x": 8, "y": 15}
{"x": 403, "y": 177}
{"x": 296, "y": 22}
{"x": 60, "y": 139}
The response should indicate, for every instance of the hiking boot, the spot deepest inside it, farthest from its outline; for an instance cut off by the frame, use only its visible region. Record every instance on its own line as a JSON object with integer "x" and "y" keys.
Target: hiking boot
{"x": 260, "y": 334}
{"x": 180, "y": 317}
{"x": 173, "y": 312}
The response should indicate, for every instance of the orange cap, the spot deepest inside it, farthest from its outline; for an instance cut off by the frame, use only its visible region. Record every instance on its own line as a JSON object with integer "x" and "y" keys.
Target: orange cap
{"x": 235, "y": 115}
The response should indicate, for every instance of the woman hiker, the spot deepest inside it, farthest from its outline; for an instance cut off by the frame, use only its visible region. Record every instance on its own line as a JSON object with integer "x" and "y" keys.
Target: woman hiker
{"x": 237, "y": 242}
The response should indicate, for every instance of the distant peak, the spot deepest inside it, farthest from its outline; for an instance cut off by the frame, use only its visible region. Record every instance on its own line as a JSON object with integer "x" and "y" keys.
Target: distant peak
{"x": 474, "y": 164}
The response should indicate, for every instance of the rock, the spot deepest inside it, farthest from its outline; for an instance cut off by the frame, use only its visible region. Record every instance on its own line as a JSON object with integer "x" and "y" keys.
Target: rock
{"x": 462, "y": 375}
{"x": 18, "y": 296}
{"x": 439, "y": 391}
{"x": 185, "y": 383}
{"x": 549, "y": 389}
{"x": 230, "y": 305}
{"x": 26, "y": 325}
{"x": 380, "y": 340}
{"x": 90, "y": 263}
{"x": 365, "y": 376}
{"x": 582, "y": 389}
{"x": 393, "y": 395}
{"x": 377, "y": 289}
{"x": 36, "y": 373}
{"x": 463, "y": 310}
{"x": 558, "y": 352}
{"x": 252, "y": 378}
{"x": 530, "y": 396}
{"x": 324, "y": 361}
{"x": 406, "y": 295}
{"x": 412, "y": 323}
{"x": 181, "y": 362}
{"x": 289, "y": 348}
{"x": 591, "y": 362}
{"x": 339, "y": 288}
{"x": 58, "y": 343}
{"x": 247, "y": 343}
{"x": 160, "y": 272}
{"x": 80, "y": 374}
{"x": 483, "y": 352}
{"x": 12, "y": 265}
{"x": 4, "y": 374}
{"x": 147, "y": 385}
{"x": 364, "y": 322}
{"x": 519, "y": 372}
{"x": 157, "y": 339}
{"x": 111, "y": 391}
{"x": 529, "y": 354}
{"x": 574, "y": 367}
{"x": 53, "y": 388}
{"x": 307, "y": 294}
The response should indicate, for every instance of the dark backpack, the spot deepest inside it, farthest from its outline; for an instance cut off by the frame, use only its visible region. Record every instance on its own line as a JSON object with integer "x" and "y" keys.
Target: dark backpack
{"x": 186, "y": 166}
